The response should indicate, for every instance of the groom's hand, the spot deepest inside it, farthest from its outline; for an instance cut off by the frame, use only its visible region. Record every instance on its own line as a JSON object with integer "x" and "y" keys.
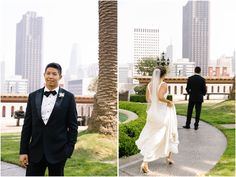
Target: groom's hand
{"x": 24, "y": 160}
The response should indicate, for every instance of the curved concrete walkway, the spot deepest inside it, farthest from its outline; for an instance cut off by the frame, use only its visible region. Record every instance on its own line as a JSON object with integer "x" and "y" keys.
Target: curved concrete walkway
{"x": 8, "y": 169}
{"x": 130, "y": 115}
{"x": 199, "y": 151}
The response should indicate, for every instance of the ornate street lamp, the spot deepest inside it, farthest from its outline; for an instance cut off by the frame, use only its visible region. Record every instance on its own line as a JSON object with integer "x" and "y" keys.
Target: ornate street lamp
{"x": 163, "y": 61}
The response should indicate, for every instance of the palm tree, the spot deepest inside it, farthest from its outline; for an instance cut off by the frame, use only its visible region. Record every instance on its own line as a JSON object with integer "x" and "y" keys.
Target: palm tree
{"x": 232, "y": 91}
{"x": 104, "y": 115}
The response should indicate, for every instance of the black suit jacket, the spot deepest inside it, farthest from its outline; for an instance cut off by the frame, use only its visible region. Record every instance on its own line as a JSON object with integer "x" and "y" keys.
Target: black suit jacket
{"x": 196, "y": 88}
{"x": 57, "y": 138}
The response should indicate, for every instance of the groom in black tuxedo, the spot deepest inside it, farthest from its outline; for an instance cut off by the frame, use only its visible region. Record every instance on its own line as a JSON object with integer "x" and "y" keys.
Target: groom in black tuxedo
{"x": 50, "y": 126}
{"x": 196, "y": 88}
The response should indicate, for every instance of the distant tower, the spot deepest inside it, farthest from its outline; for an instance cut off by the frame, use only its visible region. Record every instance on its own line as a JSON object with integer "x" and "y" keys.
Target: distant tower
{"x": 28, "y": 57}
{"x": 75, "y": 70}
{"x": 146, "y": 44}
{"x": 196, "y": 33}
{"x": 2, "y": 76}
{"x": 233, "y": 64}
{"x": 169, "y": 52}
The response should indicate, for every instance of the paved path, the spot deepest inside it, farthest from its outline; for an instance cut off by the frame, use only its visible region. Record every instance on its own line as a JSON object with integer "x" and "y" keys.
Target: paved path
{"x": 199, "y": 151}
{"x": 8, "y": 169}
{"x": 129, "y": 114}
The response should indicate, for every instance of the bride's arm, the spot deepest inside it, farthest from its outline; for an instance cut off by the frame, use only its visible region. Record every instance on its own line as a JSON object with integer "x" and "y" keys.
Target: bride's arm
{"x": 148, "y": 94}
{"x": 161, "y": 93}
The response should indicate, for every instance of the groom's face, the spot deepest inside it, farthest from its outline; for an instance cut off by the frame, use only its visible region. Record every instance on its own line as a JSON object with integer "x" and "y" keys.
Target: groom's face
{"x": 52, "y": 77}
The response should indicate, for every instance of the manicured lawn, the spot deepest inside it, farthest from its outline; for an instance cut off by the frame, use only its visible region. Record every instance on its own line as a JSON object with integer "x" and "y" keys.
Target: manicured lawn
{"x": 94, "y": 154}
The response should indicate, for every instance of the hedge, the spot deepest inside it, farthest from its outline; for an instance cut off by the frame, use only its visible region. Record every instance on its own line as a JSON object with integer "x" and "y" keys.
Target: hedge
{"x": 138, "y": 98}
{"x": 129, "y": 132}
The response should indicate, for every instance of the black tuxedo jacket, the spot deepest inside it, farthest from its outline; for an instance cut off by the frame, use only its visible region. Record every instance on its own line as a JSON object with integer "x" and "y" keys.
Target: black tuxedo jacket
{"x": 57, "y": 138}
{"x": 196, "y": 88}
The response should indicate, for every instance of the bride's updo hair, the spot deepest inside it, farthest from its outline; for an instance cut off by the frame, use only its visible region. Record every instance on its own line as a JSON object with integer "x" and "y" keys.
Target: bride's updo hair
{"x": 162, "y": 69}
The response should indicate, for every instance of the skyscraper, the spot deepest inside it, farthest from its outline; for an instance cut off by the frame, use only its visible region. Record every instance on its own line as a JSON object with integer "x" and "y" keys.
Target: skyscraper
{"x": 2, "y": 76}
{"x": 233, "y": 64}
{"x": 146, "y": 44}
{"x": 196, "y": 33}
{"x": 169, "y": 52}
{"x": 29, "y": 49}
{"x": 75, "y": 70}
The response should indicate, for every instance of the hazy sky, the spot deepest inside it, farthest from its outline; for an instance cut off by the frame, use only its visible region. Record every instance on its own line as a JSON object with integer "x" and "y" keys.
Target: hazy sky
{"x": 76, "y": 21}
{"x": 65, "y": 22}
{"x": 167, "y": 16}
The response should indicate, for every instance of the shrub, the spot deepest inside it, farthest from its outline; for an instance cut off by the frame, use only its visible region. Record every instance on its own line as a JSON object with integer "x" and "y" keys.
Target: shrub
{"x": 140, "y": 89}
{"x": 129, "y": 132}
{"x": 138, "y": 98}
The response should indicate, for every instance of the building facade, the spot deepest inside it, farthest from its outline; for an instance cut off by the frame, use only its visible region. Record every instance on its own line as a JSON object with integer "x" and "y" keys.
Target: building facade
{"x": 76, "y": 86}
{"x": 2, "y": 76}
{"x": 195, "y": 33}
{"x": 146, "y": 44}
{"x": 16, "y": 85}
{"x": 28, "y": 56}
{"x": 182, "y": 68}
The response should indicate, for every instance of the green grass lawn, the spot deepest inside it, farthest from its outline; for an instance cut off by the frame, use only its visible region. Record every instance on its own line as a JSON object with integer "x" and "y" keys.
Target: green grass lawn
{"x": 216, "y": 115}
{"x": 122, "y": 117}
{"x": 94, "y": 154}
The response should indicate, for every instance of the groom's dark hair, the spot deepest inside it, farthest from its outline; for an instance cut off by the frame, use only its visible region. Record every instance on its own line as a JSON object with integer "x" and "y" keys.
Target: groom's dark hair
{"x": 197, "y": 69}
{"x": 162, "y": 69}
{"x": 54, "y": 65}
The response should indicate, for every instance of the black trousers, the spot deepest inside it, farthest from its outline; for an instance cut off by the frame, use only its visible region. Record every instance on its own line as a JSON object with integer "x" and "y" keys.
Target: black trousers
{"x": 198, "y": 107}
{"x": 38, "y": 169}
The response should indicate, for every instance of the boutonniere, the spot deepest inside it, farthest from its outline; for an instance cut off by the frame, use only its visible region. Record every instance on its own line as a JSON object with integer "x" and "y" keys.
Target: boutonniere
{"x": 61, "y": 95}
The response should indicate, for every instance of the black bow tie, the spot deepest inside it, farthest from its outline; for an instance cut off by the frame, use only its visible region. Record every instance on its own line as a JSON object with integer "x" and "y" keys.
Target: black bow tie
{"x": 47, "y": 93}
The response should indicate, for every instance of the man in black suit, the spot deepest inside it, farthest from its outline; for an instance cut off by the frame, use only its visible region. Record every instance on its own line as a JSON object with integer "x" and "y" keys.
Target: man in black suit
{"x": 50, "y": 127}
{"x": 196, "y": 88}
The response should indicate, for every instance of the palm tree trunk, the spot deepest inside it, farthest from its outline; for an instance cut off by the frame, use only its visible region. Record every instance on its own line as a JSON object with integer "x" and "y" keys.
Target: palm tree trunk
{"x": 104, "y": 115}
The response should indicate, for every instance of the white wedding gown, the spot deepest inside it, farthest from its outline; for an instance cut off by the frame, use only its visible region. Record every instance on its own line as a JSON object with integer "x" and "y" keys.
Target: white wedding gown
{"x": 159, "y": 135}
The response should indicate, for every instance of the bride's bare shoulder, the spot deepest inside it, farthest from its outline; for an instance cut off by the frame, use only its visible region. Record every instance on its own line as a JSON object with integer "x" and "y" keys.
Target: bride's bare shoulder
{"x": 163, "y": 84}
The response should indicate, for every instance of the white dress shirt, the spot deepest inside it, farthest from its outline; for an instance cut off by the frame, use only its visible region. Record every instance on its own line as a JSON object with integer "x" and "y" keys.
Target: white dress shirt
{"x": 48, "y": 105}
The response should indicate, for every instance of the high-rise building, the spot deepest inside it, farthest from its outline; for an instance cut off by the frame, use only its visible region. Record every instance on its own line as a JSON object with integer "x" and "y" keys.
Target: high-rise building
{"x": 17, "y": 85}
{"x": 29, "y": 37}
{"x": 75, "y": 70}
{"x": 222, "y": 67}
{"x": 196, "y": 33}
{"x": 182, "y": 68}
{"x": 92, "y": 70}
{"x": 233, "y": 64}
{"x": 2, "y": 77}
{"x": 169, "y": 52}
{"x": 126, "y": 73}
{"x": 146, "y": 44}
{"x": 75, "y": 86}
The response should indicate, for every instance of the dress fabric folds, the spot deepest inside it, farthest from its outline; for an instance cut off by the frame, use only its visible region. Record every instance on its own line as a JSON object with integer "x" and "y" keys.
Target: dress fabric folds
{"x": 159, "y": 135}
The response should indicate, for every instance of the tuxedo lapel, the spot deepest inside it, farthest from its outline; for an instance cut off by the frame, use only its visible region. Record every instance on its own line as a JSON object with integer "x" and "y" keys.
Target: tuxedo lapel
{"x": 57, "y": 103}
{"x": 38, "y": 102}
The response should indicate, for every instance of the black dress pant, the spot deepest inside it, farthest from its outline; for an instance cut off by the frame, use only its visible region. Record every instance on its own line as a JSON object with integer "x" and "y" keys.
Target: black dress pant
{"x": 38, "y": 169}
{"x": 198, "y": 107}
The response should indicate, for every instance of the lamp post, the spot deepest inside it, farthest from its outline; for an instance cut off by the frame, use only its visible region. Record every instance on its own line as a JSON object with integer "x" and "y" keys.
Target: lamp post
{"x": 163, "y": 61}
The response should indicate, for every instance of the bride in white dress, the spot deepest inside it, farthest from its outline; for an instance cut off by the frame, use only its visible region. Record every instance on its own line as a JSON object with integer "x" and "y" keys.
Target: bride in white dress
{"x": 159, "y": 137}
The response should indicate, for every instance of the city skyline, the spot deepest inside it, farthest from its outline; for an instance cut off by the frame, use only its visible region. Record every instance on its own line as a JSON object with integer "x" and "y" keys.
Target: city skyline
{"x": 65, "y": 23}
{"x": 167, "y": 17}
{"x": 131, "y": 14}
